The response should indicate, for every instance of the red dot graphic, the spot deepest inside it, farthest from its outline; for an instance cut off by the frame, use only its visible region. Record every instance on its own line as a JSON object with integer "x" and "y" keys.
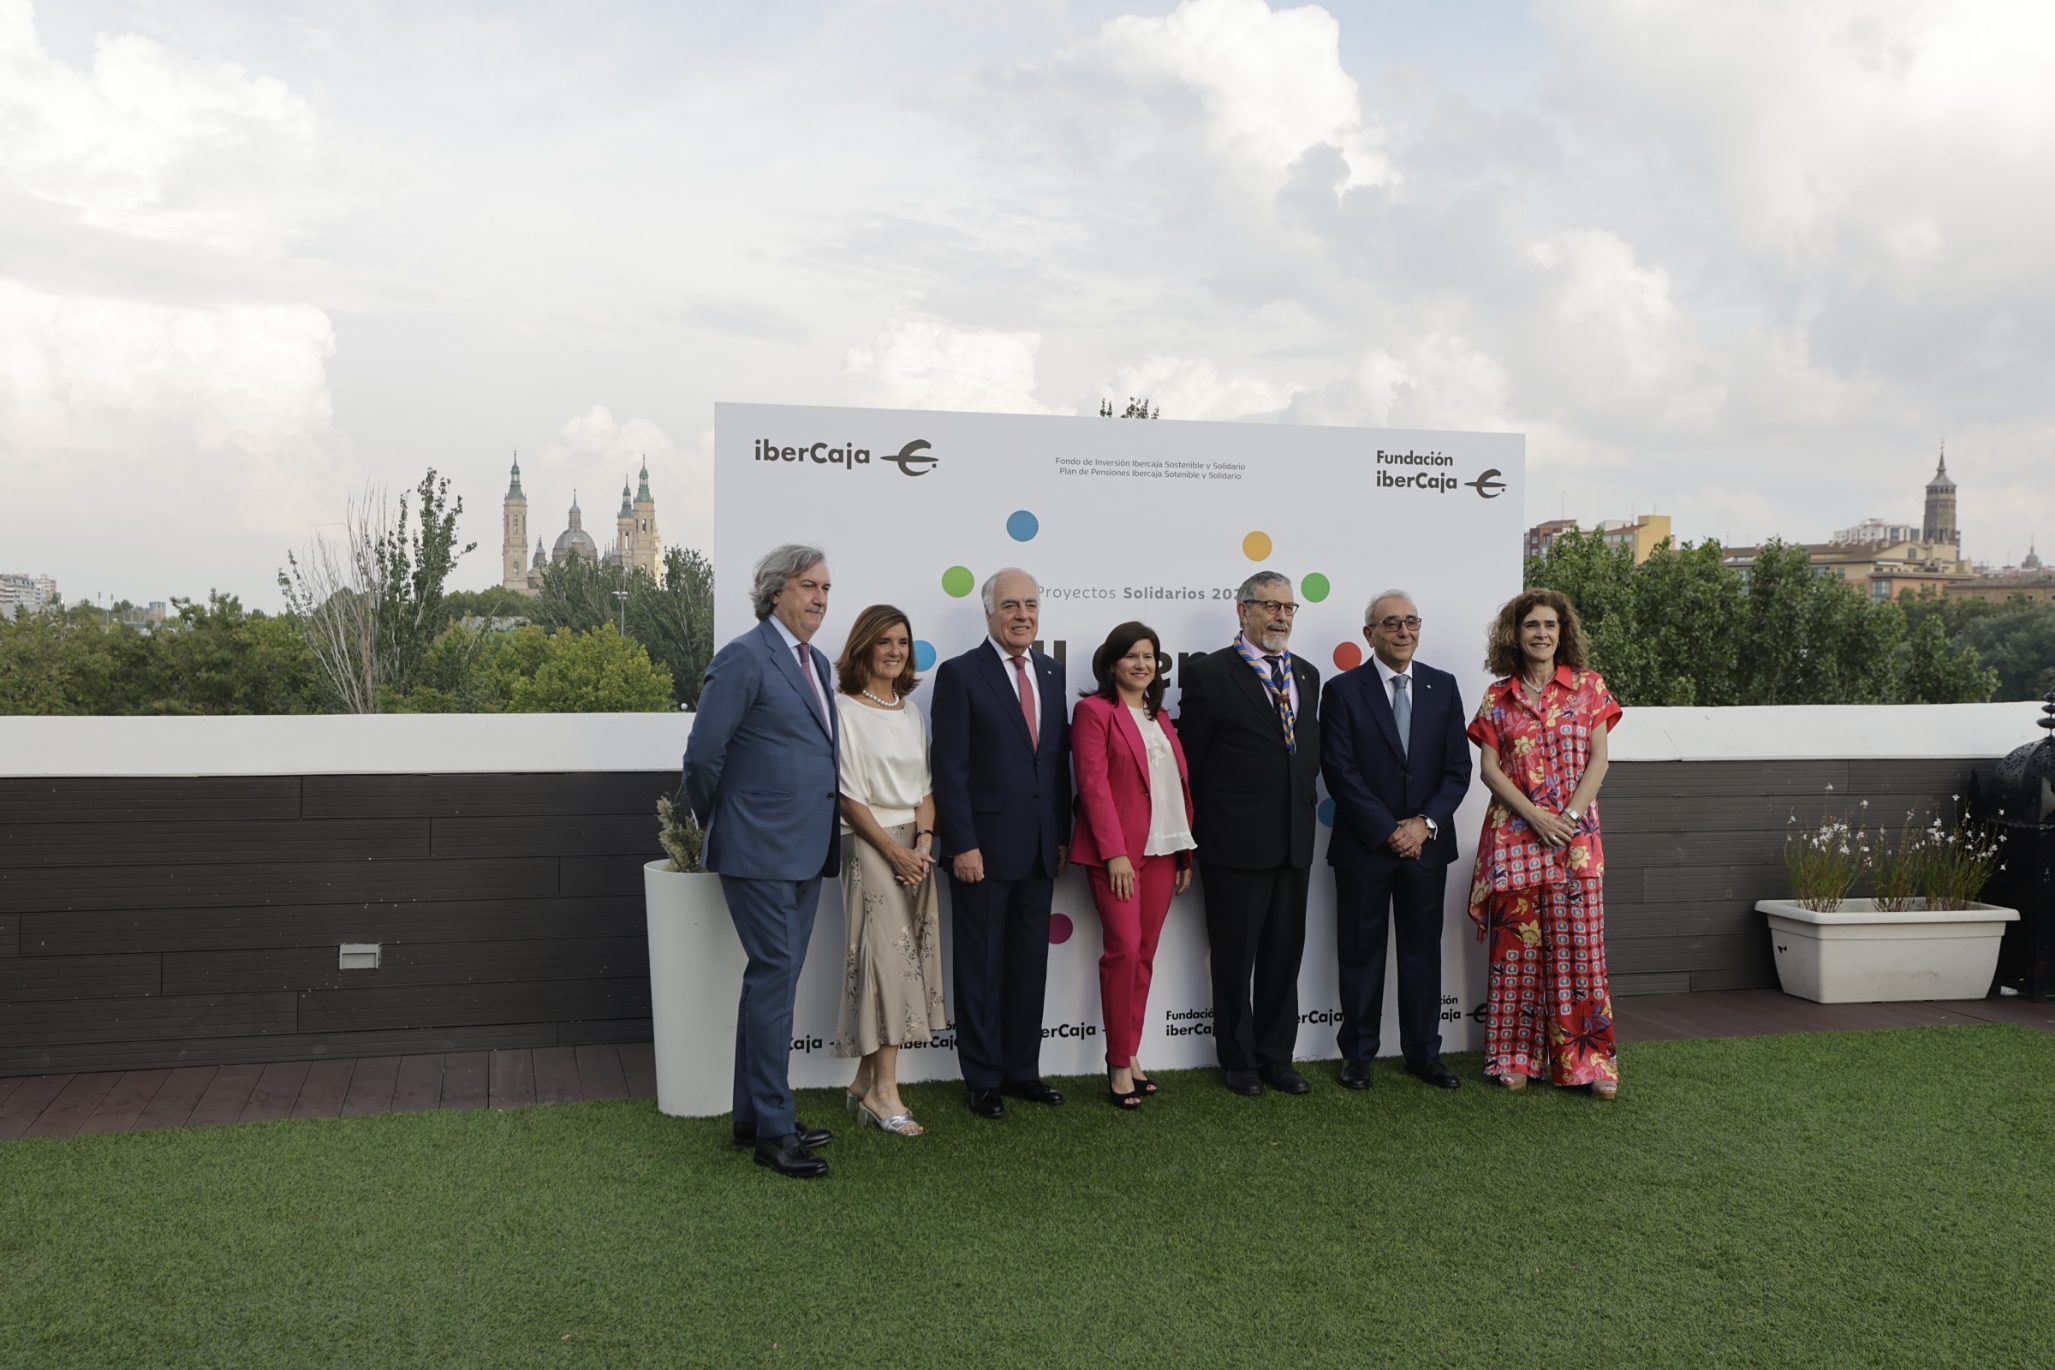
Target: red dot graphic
{"x": 1348, "y": 657}
{"x": 1060, "y": 928}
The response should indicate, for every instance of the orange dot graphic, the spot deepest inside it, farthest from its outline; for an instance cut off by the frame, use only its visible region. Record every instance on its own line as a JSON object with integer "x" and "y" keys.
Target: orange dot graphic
{"x": 1256, "y": 546}
{"x": 1347, "y": 657}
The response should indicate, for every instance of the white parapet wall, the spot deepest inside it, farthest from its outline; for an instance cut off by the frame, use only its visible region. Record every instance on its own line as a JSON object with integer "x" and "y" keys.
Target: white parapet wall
{"x": 433, "y": 744}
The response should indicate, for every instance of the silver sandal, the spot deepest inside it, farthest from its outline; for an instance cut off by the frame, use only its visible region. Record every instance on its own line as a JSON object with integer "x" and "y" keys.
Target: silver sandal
{"x": 897, "y": 1124}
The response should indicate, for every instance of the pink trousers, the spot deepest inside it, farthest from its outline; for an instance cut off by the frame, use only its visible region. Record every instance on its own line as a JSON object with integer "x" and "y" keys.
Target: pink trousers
{"x": 1130, "y": 929}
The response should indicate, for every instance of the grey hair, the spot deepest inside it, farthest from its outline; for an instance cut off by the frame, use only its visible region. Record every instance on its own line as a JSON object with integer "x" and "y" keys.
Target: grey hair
{"x": 1370, "y": 609}
{"x": 1247, "y": 594}
{"x": 989, "y": 591}
{"x": 779, "y": 565}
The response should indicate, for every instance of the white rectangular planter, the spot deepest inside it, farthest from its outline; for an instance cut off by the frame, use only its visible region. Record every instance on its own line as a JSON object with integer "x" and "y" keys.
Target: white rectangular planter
{"x": 695, "y": 988}
{"x": 1860, "y": 955}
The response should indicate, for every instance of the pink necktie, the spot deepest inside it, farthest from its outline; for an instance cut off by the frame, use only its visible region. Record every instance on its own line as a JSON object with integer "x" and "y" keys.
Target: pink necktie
{"x": 806, "y": 669}
{"x": 1027, "y": 702}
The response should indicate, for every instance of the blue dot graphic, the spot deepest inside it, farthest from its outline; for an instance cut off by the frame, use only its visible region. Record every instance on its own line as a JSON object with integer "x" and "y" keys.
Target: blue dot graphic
{"x": 923, "y": 655}
{"x": 1327, "y": 813}
{"x": 1022, "y": 526}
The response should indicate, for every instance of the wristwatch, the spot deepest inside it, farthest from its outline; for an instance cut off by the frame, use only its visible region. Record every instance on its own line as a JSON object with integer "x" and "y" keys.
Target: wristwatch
{"x": 1433, "y": 828}
{"x": 1573, "y": 815}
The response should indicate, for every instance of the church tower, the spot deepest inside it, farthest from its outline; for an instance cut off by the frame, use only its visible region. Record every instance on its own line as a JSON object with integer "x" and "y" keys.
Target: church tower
{"x": 1940, "y": 520}
{"x": 649, "y": 547}
{"x": 514, "y": 535}
{"x": 624, "y": 530}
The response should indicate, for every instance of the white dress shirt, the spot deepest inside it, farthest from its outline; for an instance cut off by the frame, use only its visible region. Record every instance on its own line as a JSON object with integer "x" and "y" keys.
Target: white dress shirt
{"x": 1385, "y": 675}
{"x": 811, "y": 670}
{"x": 1168, "y": 831}
{"x": 1013, "y": 676}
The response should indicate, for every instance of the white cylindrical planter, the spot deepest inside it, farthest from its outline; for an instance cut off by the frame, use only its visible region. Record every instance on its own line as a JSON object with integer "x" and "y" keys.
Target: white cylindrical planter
{"x": 695, "y": 984}
{"x": 1860, "y": 955}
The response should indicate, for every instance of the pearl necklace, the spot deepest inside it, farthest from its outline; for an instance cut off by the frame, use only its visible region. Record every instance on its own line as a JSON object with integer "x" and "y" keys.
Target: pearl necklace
{"x": 895, "y": 705}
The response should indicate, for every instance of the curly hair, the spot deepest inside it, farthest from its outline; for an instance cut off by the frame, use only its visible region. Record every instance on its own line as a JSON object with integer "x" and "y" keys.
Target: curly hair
{"x": 1118, "y": 644}
{"x": 1502, "y": 654}
{"x": 853, "y": 667}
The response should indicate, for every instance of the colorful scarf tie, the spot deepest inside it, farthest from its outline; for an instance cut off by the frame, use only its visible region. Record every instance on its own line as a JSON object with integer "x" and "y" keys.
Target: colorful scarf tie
{"x": 1277, "y": 686}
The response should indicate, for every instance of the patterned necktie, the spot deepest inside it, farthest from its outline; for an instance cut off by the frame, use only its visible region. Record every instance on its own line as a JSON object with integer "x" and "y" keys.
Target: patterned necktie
{"x": 1027, "y": 701}
{"x": 806, "y": 669}
{"x": 1402, "y": 713}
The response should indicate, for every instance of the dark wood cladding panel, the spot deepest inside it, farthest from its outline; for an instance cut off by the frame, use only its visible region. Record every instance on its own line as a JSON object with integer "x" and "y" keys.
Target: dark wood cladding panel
{"x": 1639, "y": 955}
{"x": 156, "y": 1053}
{"x": 605, "y": 1030}
{"x": 138, "y": 799}
{"x": 603, "y": 877}
{"x": 219, "y": 840}
{"x": 10, "y": 934}
{"x": 487, "y": 796}
{"x": 412, "y": 1006}
{"x": 1730, "y": 779}
{"x": 132, "y": 1020}
{"x": 37, "y": 979}
{"x": 310, "y": 882}
{"x": 313, "y": 925}
{"x": 407, "y": 964}
{"x": 553, "y": 835}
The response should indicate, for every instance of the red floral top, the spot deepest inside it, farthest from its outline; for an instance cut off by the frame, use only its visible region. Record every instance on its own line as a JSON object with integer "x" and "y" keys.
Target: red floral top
{"x": 1544, "y": 752}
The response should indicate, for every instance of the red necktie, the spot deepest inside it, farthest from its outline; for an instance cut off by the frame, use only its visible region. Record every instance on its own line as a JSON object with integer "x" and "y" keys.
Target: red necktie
{"x": 1027, "y": 702}
{"x": 806, "y": 669}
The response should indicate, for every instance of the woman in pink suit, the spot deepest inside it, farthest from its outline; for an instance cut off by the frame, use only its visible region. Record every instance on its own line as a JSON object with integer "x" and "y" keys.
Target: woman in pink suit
{"x": 1134, "y": 834}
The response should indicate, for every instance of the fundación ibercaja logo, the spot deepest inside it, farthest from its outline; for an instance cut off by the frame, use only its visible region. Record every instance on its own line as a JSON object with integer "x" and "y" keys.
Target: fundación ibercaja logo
{"x": 1487, "y": 485}
{"x": 914, "y": 459}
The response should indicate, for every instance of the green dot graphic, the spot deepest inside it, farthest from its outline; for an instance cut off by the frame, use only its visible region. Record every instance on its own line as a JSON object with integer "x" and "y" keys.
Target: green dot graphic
{"x": 957, "y": 582}
{"x": 1314, "y": 587}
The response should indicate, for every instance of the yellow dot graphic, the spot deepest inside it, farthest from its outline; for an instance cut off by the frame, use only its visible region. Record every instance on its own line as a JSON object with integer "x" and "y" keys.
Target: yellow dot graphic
{"x": 1256, "y": 546}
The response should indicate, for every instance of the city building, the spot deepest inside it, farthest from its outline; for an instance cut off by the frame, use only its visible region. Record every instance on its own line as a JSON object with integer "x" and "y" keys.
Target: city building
{"x": 1886, "y": 559}
{"x": 2029, "y": 580}
{"x": 24, "y": 591}
{"x": 637, "y": 544}
{"x": 1643, "y": 534}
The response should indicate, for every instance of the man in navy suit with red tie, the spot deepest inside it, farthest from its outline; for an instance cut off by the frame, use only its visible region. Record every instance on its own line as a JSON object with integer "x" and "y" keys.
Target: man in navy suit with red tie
{"x": 1001, "y": 761}
{"x": 1397, "y": 764}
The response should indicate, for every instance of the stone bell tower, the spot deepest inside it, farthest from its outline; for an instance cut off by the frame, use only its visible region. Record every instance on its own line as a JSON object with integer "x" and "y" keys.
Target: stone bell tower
{"x": 1940, "y": 523}
{"x": 514, "y": 536}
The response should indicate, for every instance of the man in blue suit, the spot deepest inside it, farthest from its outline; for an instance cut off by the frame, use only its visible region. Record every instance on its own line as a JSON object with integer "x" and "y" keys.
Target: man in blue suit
{"x": 762, "y": 774}
{"x": 1001, "y": 759}
{"x": 1397, "y": 763}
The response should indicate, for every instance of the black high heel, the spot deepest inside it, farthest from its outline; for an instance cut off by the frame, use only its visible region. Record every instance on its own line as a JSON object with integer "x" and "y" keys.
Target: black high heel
{"x": 1146, "y": 1088}
{"x": 1127, "y": 1102}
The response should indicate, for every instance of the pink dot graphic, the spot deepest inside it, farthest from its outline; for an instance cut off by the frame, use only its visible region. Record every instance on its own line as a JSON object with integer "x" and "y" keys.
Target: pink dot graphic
{"x": 1060, "y": 928}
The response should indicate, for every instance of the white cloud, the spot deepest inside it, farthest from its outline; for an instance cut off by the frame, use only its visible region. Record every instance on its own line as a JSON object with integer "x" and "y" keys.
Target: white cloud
{"x": 1444, "y": 382}
{"x": 1269, "y": 83}
{"x": 920, "y": 362}
{"x": 151, "y": 142}
{"x": 593, "y": 450}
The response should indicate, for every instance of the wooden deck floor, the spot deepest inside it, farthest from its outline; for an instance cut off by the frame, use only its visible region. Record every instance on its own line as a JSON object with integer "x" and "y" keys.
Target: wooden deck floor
{"x": 206, "y": 1096}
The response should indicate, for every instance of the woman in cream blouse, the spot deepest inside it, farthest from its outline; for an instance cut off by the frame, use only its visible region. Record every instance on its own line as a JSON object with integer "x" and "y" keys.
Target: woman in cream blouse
{"x": 1133, "y": 836}
{"x": 892, "y": 976}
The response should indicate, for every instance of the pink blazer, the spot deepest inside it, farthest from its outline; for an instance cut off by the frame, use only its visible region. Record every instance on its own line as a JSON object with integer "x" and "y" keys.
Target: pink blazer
{"x": 1113, "y": 782}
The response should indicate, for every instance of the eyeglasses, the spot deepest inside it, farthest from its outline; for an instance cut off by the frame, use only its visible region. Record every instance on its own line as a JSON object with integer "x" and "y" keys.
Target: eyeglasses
{"x": 1392, "y": 625}
{"x": 1274, "y": 606}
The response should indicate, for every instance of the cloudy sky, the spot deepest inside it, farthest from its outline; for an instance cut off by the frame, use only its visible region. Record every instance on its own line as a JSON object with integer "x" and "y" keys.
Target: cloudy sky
{"x": 1746, "y": 264}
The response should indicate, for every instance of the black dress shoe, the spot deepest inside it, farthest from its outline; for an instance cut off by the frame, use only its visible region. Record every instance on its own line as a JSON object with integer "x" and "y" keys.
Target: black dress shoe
{"x": 1355, "y": 1075}
{"x": 809, "y": 1137}
{"x": 1246, "y": 1083}
{"x": 1436, "y": 1074}
{"x": 1286, "y": 1079}
{"x": 985, "y": 1103}
{"x": 789, "y": 1156}
{"x": 1035, "y": 1092}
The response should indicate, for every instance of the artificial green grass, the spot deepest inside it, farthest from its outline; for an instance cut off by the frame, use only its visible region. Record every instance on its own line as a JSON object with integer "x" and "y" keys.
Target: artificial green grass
{"x": 1883, "y": 1198}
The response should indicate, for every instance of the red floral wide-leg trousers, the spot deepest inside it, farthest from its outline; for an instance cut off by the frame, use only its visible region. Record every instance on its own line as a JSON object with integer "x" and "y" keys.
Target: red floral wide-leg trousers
{"x": 1551, "y": 1008}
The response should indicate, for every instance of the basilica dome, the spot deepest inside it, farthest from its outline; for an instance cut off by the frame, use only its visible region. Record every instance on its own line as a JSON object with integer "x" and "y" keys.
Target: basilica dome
{"x": 576, "y": 539}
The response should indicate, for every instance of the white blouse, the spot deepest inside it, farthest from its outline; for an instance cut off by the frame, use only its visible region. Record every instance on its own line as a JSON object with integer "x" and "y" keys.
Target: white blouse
{"x": 1168, "y": 831}
{"x": 884, "y": 760}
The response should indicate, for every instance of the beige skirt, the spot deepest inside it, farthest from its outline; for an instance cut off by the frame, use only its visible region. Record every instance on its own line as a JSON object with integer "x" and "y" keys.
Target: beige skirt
{"x": 892, "y": 974}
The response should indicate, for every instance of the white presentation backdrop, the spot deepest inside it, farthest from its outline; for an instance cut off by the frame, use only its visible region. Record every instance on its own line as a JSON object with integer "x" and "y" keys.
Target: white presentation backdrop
{"x": 1128, "y": 519}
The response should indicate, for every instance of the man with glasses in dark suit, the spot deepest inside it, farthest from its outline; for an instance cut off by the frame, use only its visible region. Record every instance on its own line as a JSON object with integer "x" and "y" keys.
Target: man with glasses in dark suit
{"x": 1397, "y": 764}
{"x": 1249, "y": 715}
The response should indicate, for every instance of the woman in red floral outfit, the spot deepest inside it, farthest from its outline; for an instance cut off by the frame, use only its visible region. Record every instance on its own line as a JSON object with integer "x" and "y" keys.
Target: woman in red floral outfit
{"x": 1539, "y": 892}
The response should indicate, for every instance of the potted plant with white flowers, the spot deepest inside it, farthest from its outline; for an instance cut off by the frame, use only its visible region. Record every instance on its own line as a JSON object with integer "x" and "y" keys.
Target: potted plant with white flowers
{"x": 695, "y": 970}
{"x": 1921, "y": 934}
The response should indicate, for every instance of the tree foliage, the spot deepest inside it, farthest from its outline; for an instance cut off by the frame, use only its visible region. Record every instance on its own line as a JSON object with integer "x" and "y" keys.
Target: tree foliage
{"x": 212, "y": 658}
{"x": 674, "y": 620}
{"x": 1684, "y": 628}
{"x": 534, "y": 670}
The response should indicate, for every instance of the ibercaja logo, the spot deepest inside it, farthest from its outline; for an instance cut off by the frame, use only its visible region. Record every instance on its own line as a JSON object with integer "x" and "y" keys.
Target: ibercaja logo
{"x": 915, "y": 459}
